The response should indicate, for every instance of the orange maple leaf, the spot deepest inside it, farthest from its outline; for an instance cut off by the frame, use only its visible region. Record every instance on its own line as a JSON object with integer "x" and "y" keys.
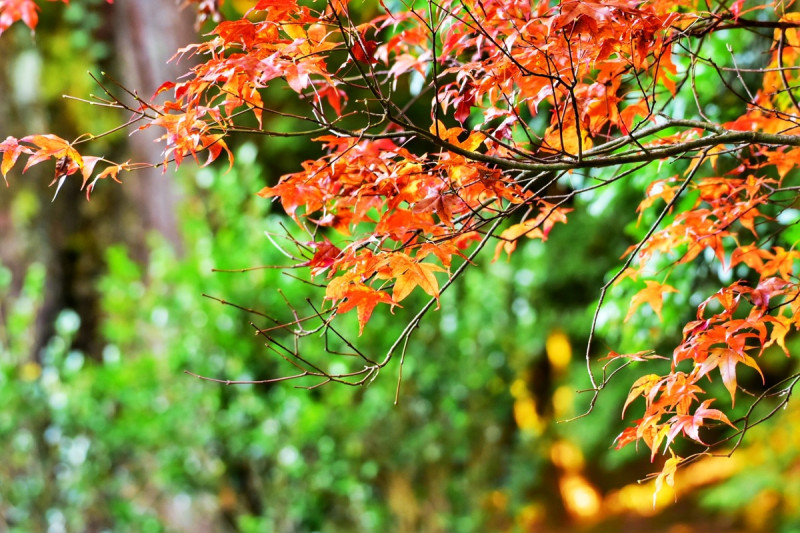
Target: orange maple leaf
{"x": 782, "y": 263}
{"x": 727, "y": 359}
{"x": 537, "y": 227}
{"x": 351, "y": 293}
{"x": 14, "y": 10}
{"x": 653, "y": 295}
{"x": 409, "y": 274}
{"x": 50, "y": 146}
{"x": 417, "y": 275}
{"x": 11, "y": 151}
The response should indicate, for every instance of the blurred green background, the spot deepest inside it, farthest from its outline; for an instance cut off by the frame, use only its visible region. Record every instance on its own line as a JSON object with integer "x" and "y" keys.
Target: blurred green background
{"x": 101, "y": 311}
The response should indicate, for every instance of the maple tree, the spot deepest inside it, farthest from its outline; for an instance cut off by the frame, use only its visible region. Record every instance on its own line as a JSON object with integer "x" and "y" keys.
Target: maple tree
{"x": 520, "y": 98}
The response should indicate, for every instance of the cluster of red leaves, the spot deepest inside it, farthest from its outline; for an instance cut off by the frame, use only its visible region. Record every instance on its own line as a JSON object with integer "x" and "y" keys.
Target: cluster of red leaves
{"x": 720, "y": 341}
{"x": 724, "y": 221}
{"x": 425, "y": 205}
{"x": 414, "y": 212}
{"x": 573, "y": 57}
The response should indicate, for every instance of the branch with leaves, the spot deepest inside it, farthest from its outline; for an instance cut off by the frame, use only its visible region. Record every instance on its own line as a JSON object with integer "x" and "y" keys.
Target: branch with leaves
{"x": 517, "y": 95}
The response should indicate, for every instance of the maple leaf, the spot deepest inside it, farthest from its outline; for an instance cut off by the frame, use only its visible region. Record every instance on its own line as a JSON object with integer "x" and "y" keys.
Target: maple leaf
{"x": 416, "y": 275}
{"x": 363, "y": 50}
{"x": 567, "y": 139}
{"x": 750, "y": 255}
{"x": 766, "y": 289}
{"x": 736, "y": 8}
{"x": 11, "y": 151}
{"x": 64, "y": 168}
{"x": 537, "y": 227}
{"x": 443, "y": 251}
{"x": 667, "y": 475}
{"x": 679, "y": 392}
{"x": 464, "y": 102}
{"x": 667, "y": 70}
{"x": 50, "y": 146}
{"x": 364, "y": 299}
{"x": 641, "y": 387}
{"x": 472, "y": 142}
{"x": 631, "y": 111}
{"x": 627, "y": 436}
{"x": 785, "y": 161}
{"x": 409, "y": 274}
{"x": 652, "y": 294}
{"x": 629, "y": 272}
{"x": 529, "y": 228}
{"x": 276, "y": 9}
{"x": 14, "y": 10}
{"x": 324, "y": 257}
{"x": 351, "y": 293}
{"x": 728, "y": 297}
{"x": 781, "y": 262}
{"x": 659, "y": 189}
{"x": 89, "y": 162}
{"x": 112, "y": 171}
{"x": 236, "y": 31}
{"x": 726, "y": 360}
{"x": 652, "y": 432}
{"x": 780, "y": 328}
{"x": 215, "y": 146}
{"x": 691, "y": 424}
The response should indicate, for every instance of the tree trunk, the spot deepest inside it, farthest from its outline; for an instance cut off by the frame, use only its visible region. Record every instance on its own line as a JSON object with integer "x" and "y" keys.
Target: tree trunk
{"x": 148, "y": 33}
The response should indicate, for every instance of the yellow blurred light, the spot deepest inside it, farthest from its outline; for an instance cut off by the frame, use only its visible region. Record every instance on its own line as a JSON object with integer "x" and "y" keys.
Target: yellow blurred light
{"x": 638, "y": 498}
{"x": 519, "y": 389}
{"x": 559, "y": 350}
{"x": 30, "y": 371}
{"x": 780, "y": 440}
{"x": 498, "y": 500}
{"x": 709, "y": 470}
{"x": 566, "y": 456}
{"x": 526, "y": 416}
{"x": 563, "y": 401}
{"x": 580, "y": 498}
{"x": 530, "y": 517}
{"x": 761, "y": 509}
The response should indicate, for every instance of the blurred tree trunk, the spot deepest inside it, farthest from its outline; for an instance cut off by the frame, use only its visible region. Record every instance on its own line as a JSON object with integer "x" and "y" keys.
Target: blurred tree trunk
{"x": 147, "y": 34}
{"x": 70, "y": 235}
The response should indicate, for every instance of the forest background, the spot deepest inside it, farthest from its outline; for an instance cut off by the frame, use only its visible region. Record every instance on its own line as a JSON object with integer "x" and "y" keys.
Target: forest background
{"x": 102, "y": 309}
